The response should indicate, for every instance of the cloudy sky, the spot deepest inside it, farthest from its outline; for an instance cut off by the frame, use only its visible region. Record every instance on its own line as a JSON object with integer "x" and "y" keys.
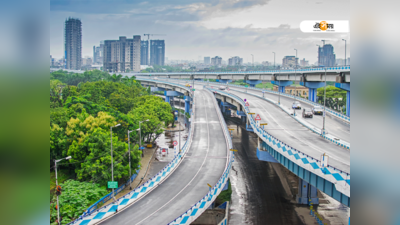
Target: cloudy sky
{"x": 196, "y": 28}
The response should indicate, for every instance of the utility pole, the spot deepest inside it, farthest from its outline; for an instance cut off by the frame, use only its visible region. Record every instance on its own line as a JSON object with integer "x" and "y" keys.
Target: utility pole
{"x": 345, "y": 57}
{"x": 130, "y": 173}
{"x": 294, "y": 94}
{"x": 58, "y": 206}
{"x": 252, "y": 56}
{"x": 274, "y": 60}
{"x": 112, "y": 164}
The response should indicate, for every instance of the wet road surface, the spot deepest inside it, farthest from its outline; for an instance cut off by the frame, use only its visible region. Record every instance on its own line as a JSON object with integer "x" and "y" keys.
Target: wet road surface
{"x": 258, "y": 196}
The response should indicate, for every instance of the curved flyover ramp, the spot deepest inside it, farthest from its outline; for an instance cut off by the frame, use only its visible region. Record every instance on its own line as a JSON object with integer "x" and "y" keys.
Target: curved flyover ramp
{"x": 204, "y": 163}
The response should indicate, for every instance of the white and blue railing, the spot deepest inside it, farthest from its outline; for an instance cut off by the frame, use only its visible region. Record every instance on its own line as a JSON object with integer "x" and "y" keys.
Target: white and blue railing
{"x": 97, "y": 215}
{"x": 197, "y": 209}
{"x": 330, "y": 111}
{"x": 340, "y": 178}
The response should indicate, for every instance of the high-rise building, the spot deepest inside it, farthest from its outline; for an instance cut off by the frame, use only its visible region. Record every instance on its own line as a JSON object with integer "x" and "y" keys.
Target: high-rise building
{"x": 326, "y": 56}
{"x": 289, "y": 62}
{"x": 144, "y": 52}
{"x": 235, "y": 61}
{"x": 303, "y": 62}
{"x": 207, "y": 60}
{"x": 216, "y": 61}
{"x": 73, "y": 44}
{"x": 122, "y": 55}
{"x": 98, "y": 54}
{"x": 157, "y": 52}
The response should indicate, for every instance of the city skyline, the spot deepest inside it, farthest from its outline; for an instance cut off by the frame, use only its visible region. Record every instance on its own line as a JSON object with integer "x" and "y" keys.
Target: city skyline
{"x": 206, "y": 28}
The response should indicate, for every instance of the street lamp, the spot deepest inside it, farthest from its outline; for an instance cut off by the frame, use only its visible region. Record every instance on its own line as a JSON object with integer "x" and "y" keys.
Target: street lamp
{"x": 323, "y": 118}
{"x": 129, "y": 145}
{"x": 274, "y": 60}
{"x": 58, "y": 207}
{"x": 179, "y": 131}
{"x": 345, "y": 59}
{"x": 112, "y": 164}
{"x": 252, "y": 56}
{"x": 294, "y": 94}
{"x": 140, "y": 135}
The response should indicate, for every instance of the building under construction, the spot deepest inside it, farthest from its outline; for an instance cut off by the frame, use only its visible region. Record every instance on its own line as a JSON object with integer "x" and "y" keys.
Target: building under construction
{"x": 73, "y": 44}
{"x": 122, "y": 55}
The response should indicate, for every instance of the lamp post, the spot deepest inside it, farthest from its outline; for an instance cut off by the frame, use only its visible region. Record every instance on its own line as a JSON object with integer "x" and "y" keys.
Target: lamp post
{"x": 279, "y": 91}
{"x": 58, "y": 207}
{"x": 323, "y": 118}
{"x": 252, "y": 56}
{"x": 179, "y": 141}
{"x": 345, "y": 45}
{"x": 112, "y": 164}
{"x": 274, "y": 60}
{"x": 129, "y": 145}
{"x": 140, "y": 135}
{"x": 294, "y": 94}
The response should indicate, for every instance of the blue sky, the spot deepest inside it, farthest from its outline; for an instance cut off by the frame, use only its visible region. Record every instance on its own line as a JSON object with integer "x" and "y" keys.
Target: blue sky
{"x": 196, "y": 29}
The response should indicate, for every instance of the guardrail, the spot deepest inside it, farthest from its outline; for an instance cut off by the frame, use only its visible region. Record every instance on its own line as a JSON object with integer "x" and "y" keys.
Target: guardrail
{"x": 336, "y": 176}
{"x": 195, "y": 211}
{"x": 95, "y": 216}
{"x": 330, "y": 111}
{"x": 328, "y": 137}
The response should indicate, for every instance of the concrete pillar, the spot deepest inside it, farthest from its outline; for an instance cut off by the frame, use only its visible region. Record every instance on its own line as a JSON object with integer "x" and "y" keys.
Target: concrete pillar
{"x": 187, "y": 103}
{"x": 167, "y": 99}
{"x": 345, "y": 86}
{"x": 307, "y": 192}
{"x": 312, "y": 89}
{"x": 253, "y": 83}
{"x": 282, "y": 84}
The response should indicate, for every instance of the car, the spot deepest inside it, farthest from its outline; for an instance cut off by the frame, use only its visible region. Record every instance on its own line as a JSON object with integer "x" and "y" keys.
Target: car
{"x": 318, "y": 110}
{"x": 187, "y": 85}
{"x": 296, "y": 105}
{"x": 155, "y": 78}
{"x": 307, "y": 113}
{"x": 221, "y": 88}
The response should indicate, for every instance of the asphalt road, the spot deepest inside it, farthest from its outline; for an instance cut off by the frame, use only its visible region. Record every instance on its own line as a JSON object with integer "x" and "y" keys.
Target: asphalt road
{"x": 285, "y": 128}
{"x": 204, "y": 163}
{"x": 258, "y": 195}
{"x": 333, "y": 125}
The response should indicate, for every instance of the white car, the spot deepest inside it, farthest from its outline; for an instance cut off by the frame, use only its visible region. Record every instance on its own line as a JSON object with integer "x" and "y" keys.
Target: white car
{"x": 221, "y": 88}
{"x": 296, "y": 105}
{"x": 155, "y": 78}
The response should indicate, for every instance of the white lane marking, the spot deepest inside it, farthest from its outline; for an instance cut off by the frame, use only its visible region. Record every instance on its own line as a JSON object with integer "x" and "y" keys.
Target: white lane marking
{"x": 309, "y": 143}
{"x": 208, "y": 148}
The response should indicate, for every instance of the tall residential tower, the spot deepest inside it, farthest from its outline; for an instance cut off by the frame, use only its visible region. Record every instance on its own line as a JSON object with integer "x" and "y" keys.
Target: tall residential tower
{"x": 144, "y": 53}
{"x": 73, "y": 44}
{"x": 157, "y": 52}
{"x": 122, "y": 55}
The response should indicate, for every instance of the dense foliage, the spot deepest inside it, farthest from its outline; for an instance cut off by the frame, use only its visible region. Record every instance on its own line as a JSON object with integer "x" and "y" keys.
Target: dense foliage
{"x": 76, "y": 197}
{"x": 83, "y": 107}
{"x": 335, "y": 98}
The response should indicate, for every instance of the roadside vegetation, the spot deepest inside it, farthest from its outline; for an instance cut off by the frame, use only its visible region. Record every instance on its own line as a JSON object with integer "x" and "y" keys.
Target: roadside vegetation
{"x": 83, "y": 107}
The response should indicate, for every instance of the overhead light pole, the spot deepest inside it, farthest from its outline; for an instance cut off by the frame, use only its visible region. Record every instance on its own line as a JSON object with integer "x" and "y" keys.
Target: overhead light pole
{"x": 58, "y": 207}
{"x": 295, "y": 75}
{"x": 140, "y": 136}
{"x": 274, "y": 60}
{"x": 323, "y": 118}
{"x": 112, "y": 164}
{"x": 345, "y": 57}
{"x": 252, "y": 56}
{"x": 130, "y": 173}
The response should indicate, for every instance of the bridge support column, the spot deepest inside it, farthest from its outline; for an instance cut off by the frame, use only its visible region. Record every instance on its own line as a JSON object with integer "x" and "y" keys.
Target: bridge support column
{"x": 187, "y": 103}
{"x": 307, "y": 192}
{"x": 345, "y": 86}
{"x": 312, "y": 89}
{"x": 169, "y": 96}
{"x": 253, "y": 83}
{"x": 282, "y": 84}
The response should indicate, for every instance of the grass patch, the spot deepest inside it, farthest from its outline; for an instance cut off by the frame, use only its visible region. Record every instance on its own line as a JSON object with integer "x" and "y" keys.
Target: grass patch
{"x": 265, "y": 85}
{"x": 224, "y": 195}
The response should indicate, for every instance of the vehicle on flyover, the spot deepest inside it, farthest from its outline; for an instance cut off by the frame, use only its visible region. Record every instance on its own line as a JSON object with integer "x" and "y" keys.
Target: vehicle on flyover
{"x": 164, "y": 150}
{"x": 221, "y": 88}
{"x": 187, "y": 85}
{"x": 155, "y": 78}
{"x": 317, "y": 110}
{"x": 296, "y": 105}
{"x": 307, "y": 113}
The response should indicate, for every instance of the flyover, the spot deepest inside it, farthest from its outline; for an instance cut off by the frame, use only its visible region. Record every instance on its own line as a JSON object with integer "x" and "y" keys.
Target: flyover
{"x": 182, "y": 197}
